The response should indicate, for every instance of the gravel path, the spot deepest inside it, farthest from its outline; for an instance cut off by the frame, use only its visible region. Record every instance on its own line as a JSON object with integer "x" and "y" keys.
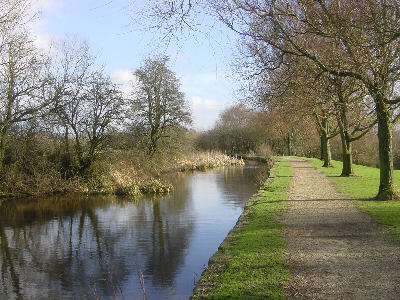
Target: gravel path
{"x": 334, "y": 250}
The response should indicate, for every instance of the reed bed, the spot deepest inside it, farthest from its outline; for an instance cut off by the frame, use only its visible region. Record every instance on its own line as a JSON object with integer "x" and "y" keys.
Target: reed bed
{"x": 204, "y": 161}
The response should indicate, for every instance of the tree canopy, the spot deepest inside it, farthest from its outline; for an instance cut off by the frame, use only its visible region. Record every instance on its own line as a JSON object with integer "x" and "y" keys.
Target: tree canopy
{"x": 157, "y": 100}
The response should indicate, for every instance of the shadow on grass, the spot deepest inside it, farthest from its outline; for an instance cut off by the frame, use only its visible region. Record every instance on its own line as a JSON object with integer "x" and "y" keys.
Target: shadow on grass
{"x": 311, "y": 167}
{"x": 374, "y": 199}
{"x": 308, "y": 200}
{"x": 340, "y": 176}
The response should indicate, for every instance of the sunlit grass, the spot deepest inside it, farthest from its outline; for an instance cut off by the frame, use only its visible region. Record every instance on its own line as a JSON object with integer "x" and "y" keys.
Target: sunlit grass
{"x": 363, "y": 187}
{"x": 249, "y": 263}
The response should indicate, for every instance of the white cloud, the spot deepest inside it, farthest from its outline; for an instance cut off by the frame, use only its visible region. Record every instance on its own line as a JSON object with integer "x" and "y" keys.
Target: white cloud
{"x": 44, "y": 41}
{"x": 124, "y": 78}
{"x": 206, "y": 111}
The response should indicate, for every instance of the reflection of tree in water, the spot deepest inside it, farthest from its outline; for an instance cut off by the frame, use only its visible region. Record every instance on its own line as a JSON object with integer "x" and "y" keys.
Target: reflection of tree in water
{"x": 169, "y": 238}
{"x": 57, "y": 248}
{"x": 238, "y": 184}
{"x": 7, "y": 265}
{"x": 164, "y": 235}
{"x": 50, "y": 255}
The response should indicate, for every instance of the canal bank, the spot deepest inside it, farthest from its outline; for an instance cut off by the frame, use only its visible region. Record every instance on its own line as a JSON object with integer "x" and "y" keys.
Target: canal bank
{"x": 249, "y": 263}
{"x": 121, "y": 173}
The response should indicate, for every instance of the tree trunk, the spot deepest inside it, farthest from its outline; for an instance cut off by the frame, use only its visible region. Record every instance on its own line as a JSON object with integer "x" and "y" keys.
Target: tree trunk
{"x": 68, "y": 164}
{"x": 386, "y": 187}
{"x": 289, "y": 141}
{"x": 325, "y": 145}
{"x": 66, "y": 140}
{"x": 347, "y": 168}
{"x": 153, "y": 144}
{"x": 327, "y": 152}
{"x": 322, "y": 148}
{"x": 3, "y": 135}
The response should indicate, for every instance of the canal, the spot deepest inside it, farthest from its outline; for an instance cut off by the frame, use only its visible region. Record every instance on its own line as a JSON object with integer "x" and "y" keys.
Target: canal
{"x": 106, "y": 247}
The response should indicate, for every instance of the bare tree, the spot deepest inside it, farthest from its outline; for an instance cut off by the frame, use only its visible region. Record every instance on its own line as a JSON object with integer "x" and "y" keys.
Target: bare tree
{"x": 15, "y": 13}
{"x": 23, "y": 78}
{"x": 157, "y": 100}
{"x": 89, "y": 104}
{"x": 295, "y": 92}
{"x": 102, "y": 108}
{"x": 354, "y": 114}
{"x": 71, "y": 70}
{"x": 300, "y": 87}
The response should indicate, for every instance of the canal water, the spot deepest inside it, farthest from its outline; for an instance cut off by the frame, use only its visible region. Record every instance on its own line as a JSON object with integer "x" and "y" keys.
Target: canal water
{"x": 105, "y": 247}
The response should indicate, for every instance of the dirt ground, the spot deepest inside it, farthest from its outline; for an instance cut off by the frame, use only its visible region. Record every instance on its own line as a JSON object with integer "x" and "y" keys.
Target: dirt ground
{"x": 334, "y": 250}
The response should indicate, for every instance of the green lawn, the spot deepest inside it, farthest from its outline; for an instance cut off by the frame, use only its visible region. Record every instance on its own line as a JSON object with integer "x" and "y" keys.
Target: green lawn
{"x": 365, "y": 186}
{"x": 249, "y": 263}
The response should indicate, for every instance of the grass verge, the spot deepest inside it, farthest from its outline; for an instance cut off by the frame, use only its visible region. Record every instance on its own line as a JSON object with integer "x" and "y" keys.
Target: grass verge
{"x": 363, "y": 187}
{"x": 249, "y": 263}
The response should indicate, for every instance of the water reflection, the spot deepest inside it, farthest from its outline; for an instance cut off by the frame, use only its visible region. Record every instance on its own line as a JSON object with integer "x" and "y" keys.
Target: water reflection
{"x": 87, "y": 247}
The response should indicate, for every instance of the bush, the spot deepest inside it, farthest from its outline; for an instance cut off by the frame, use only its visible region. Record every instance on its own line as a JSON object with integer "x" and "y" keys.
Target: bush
{"x": 131, "y": 190}
{"x": 156, "y": 187}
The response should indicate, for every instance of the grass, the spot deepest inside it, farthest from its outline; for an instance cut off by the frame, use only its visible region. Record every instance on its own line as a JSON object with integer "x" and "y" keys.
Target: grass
{"x": 363, "y": 187}
{"x": 249, "y": 263}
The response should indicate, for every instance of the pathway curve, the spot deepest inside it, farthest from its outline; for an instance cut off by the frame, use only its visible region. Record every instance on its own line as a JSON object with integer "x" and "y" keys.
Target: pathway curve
{"x": 334, "y": 250}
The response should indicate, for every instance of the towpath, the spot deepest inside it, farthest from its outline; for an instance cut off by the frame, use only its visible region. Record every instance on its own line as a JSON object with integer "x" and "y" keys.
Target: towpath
{"x": 334, "y": 250}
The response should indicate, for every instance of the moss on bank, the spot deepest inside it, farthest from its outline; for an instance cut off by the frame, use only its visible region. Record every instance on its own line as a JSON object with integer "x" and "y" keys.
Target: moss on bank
{"x": 249, "y": 263}
{"x": 363, "y": 187}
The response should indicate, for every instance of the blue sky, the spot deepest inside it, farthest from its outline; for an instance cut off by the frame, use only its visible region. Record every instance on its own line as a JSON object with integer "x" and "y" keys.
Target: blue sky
{"x": 114, "y": 35}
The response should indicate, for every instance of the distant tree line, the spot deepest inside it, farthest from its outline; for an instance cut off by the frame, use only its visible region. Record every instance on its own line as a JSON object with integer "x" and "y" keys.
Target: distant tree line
{"x": 241, "y": 130}
{"x": 236, "y": 132}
